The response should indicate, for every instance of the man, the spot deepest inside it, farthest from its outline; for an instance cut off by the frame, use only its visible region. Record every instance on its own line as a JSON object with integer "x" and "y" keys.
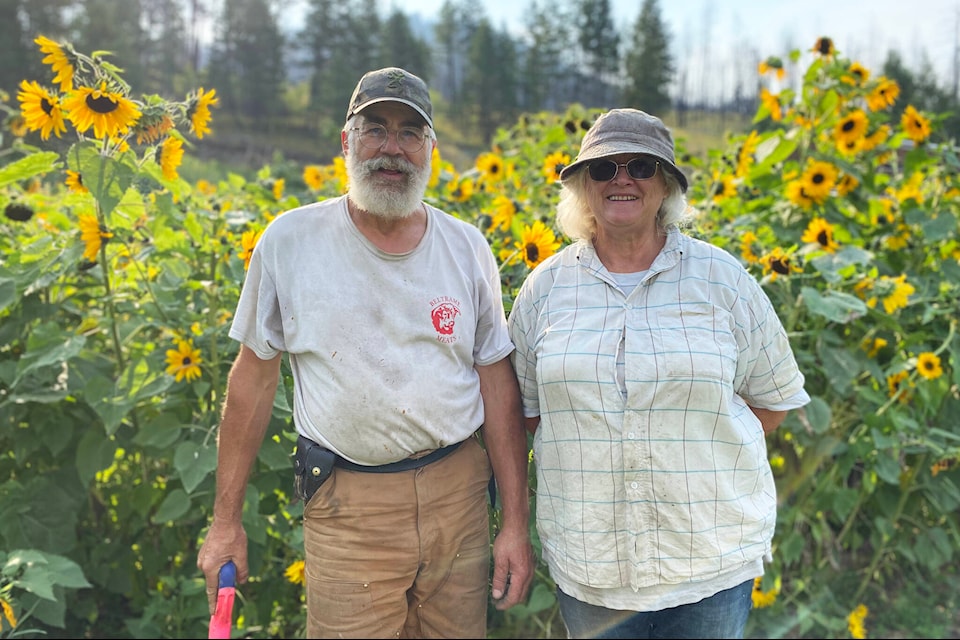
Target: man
{"x": 396, "y": 538}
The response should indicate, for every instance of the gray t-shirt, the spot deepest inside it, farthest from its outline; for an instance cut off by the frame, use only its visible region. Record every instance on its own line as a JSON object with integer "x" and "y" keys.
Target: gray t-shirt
{"x": 382, "y": 346}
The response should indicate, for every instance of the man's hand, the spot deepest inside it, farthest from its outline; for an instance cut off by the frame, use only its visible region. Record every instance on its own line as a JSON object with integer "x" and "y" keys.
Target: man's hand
{"x": 513, "y": 568}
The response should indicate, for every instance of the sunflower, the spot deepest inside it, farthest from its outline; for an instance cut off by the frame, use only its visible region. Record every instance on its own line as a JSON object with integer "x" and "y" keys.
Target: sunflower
{"x": 763, "y": 598}
{"x": 818, "y": 180}
{"x": 722, "y": 187}
{"x": 824, "y": 47}
{"x": 296, "y": 572}
{"x": 169, "y": 156}
{"x": 491, "y": 168}
{"x": 779, "y": 263}
{"x": 198, "y": 110}
{"x": 461, "y": 189}
{"x": 340, "y": 171}
{"x": 873, "y": 346}
{"x": 8, "y": 613}
{"x": 745, "y": 155}
{"x": 846, "y": 184}
{"x": 505, "y": 210}
{"x": 849, "y": 148}
{"x": 60, "y": 59}
{"x": 928, "y": 365}
{"x": 313, "y": 177}
{"x": 150, "y": 129}
{"x": 855, "y": 622}
{"x": 898, "y": 386}
{"x": 206, "y": 187}
{"x": 92, "y": 235}
{"x": 248, "y": 241}
{"x": 894, "y": 292}
{"x": 109, "y": 113}
{"x": 41, "y": 110}
{"x": 797, "y": 195}
{"x": 857, "y": 75}
{"x": 184, "y": 361}
{"x": 436, "y": 163}
{"x": 774, "y": 65}
{"x": 876, "y": 138}
{"x": 74, "y": 182}
{"x": 820, "y": 232}
{"x": 883, "y": 95}
{"x": 18, "y": 125}
{"x": 747, "y": 242}
{"x": 554, "y": 164}
{"x": 277, "y": 188}
{"x": 914, "y": 125}
{"x": 17, "y": 212}
{"x": 852, "y": 127}
{"x": 537, "y": 243}
{"x": 772, "y": 103}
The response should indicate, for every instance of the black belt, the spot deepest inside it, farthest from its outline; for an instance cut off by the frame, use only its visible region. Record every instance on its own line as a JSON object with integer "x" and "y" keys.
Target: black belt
{"x": 400, "y": 465}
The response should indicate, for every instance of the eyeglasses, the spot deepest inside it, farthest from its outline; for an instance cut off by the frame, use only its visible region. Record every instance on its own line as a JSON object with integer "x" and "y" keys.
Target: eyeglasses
{"x": 374, "y": 136}
{"x": 637, "y": 168}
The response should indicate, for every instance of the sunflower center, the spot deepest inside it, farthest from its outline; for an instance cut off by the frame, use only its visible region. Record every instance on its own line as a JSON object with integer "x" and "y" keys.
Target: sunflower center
{"x": 187, "y": 361}
{"x": 47, "y": 106}
{"x": 817, "y": 178}
{"x": 848, "y": 125}
{"x": 103, "y": 104}
{"x": 781, "y": 266}
{"x": 823, "y": 238}
{"x": 533, "y": 252}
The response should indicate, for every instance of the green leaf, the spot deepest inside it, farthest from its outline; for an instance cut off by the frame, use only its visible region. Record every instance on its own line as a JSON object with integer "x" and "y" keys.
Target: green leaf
{"x": 28, "y": 167}
{"x": 106, "y": 178}
{"x": 95, "y": 452}
{"x": 194, "y": 463}
{"x": 835, "y": 306}
{"x": 8, "y": 292}
{"x": 160, "y": 433}
{"x": 888, "y": 467}
{"x": 818, "y": 414}
{"x": 275, "y": 456}
{"x": 174, "y": 506}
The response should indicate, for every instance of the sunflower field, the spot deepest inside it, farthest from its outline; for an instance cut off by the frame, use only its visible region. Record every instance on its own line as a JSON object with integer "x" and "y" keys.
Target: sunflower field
{"x": 118, "y": 279}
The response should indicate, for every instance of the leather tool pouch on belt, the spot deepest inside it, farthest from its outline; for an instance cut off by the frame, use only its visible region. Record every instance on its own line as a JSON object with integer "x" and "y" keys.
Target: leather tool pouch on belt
{"x": 312, "y": 465}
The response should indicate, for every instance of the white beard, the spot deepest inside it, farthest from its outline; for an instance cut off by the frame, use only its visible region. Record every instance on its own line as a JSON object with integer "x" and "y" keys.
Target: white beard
{"x": 388, "y": 200}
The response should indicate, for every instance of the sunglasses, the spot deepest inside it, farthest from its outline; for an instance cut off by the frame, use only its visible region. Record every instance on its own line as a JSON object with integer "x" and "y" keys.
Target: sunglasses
{"x": 638, "y": 169}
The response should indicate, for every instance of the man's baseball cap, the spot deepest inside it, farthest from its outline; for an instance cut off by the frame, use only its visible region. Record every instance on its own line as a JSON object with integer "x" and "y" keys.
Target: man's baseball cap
{"x": 627, "y": 131}
{"x": 391, "y": 84}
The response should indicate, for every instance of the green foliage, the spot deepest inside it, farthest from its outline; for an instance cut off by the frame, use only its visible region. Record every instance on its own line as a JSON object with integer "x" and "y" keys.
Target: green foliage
{"x": 108, "y": 421}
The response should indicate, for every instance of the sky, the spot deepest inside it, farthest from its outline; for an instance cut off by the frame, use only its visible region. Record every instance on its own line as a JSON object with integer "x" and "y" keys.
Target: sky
{"x": 862, "y": 30}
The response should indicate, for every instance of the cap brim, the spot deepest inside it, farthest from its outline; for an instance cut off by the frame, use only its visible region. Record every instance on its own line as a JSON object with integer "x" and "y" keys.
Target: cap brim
{"x": 366, "y": 104}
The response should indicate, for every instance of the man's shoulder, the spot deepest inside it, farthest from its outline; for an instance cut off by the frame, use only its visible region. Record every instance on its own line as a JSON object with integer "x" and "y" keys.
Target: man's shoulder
{"x": 448, "y": 223}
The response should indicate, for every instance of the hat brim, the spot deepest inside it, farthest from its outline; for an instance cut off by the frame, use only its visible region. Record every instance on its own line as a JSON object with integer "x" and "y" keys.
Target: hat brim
{"x": 607, "y": 149}
{"x": 410, "y": 104}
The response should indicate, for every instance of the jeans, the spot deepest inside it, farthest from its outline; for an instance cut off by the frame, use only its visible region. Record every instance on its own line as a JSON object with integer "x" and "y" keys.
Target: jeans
{"x": 723, "y": 615}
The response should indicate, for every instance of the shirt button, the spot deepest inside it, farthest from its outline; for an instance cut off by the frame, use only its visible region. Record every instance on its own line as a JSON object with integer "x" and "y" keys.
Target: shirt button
{"x": 632, "y": 435}
{"x": 634, "y": 485}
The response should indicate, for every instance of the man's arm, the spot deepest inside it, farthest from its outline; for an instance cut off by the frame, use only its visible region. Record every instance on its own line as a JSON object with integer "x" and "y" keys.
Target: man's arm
{"x": 505, "y": 439}
{"x": 251, "y": 387}
{"x": 769, "y": 420}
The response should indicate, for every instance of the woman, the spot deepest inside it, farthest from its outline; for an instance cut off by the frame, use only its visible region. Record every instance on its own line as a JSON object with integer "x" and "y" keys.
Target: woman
{"x": 652, "y": 365}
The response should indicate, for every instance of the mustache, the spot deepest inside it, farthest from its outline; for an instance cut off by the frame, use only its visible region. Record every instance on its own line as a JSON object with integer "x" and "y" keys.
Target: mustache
{"x": 390, "y": 164}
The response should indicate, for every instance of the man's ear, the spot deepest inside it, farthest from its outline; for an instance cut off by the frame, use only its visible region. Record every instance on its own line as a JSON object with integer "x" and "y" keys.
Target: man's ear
{"x": 344, "y": 145}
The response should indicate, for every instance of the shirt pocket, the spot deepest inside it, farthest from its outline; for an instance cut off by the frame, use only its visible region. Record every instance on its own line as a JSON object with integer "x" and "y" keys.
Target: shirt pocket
{"x": 696, "y": 343}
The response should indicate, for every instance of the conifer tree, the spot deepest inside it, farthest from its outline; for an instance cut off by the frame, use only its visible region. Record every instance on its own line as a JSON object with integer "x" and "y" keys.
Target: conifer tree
{"x": 648, "y": 64}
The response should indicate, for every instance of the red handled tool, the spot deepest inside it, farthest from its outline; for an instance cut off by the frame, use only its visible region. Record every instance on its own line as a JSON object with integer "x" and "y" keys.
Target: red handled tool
{"x": 222, "y": 618}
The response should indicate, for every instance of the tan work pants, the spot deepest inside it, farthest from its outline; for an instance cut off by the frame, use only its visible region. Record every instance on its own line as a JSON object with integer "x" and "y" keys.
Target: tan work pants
{"x": 400, "y": 555}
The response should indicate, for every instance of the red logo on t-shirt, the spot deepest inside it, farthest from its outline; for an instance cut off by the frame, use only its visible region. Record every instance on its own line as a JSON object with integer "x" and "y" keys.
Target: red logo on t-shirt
{"x": 444, "y": 317}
